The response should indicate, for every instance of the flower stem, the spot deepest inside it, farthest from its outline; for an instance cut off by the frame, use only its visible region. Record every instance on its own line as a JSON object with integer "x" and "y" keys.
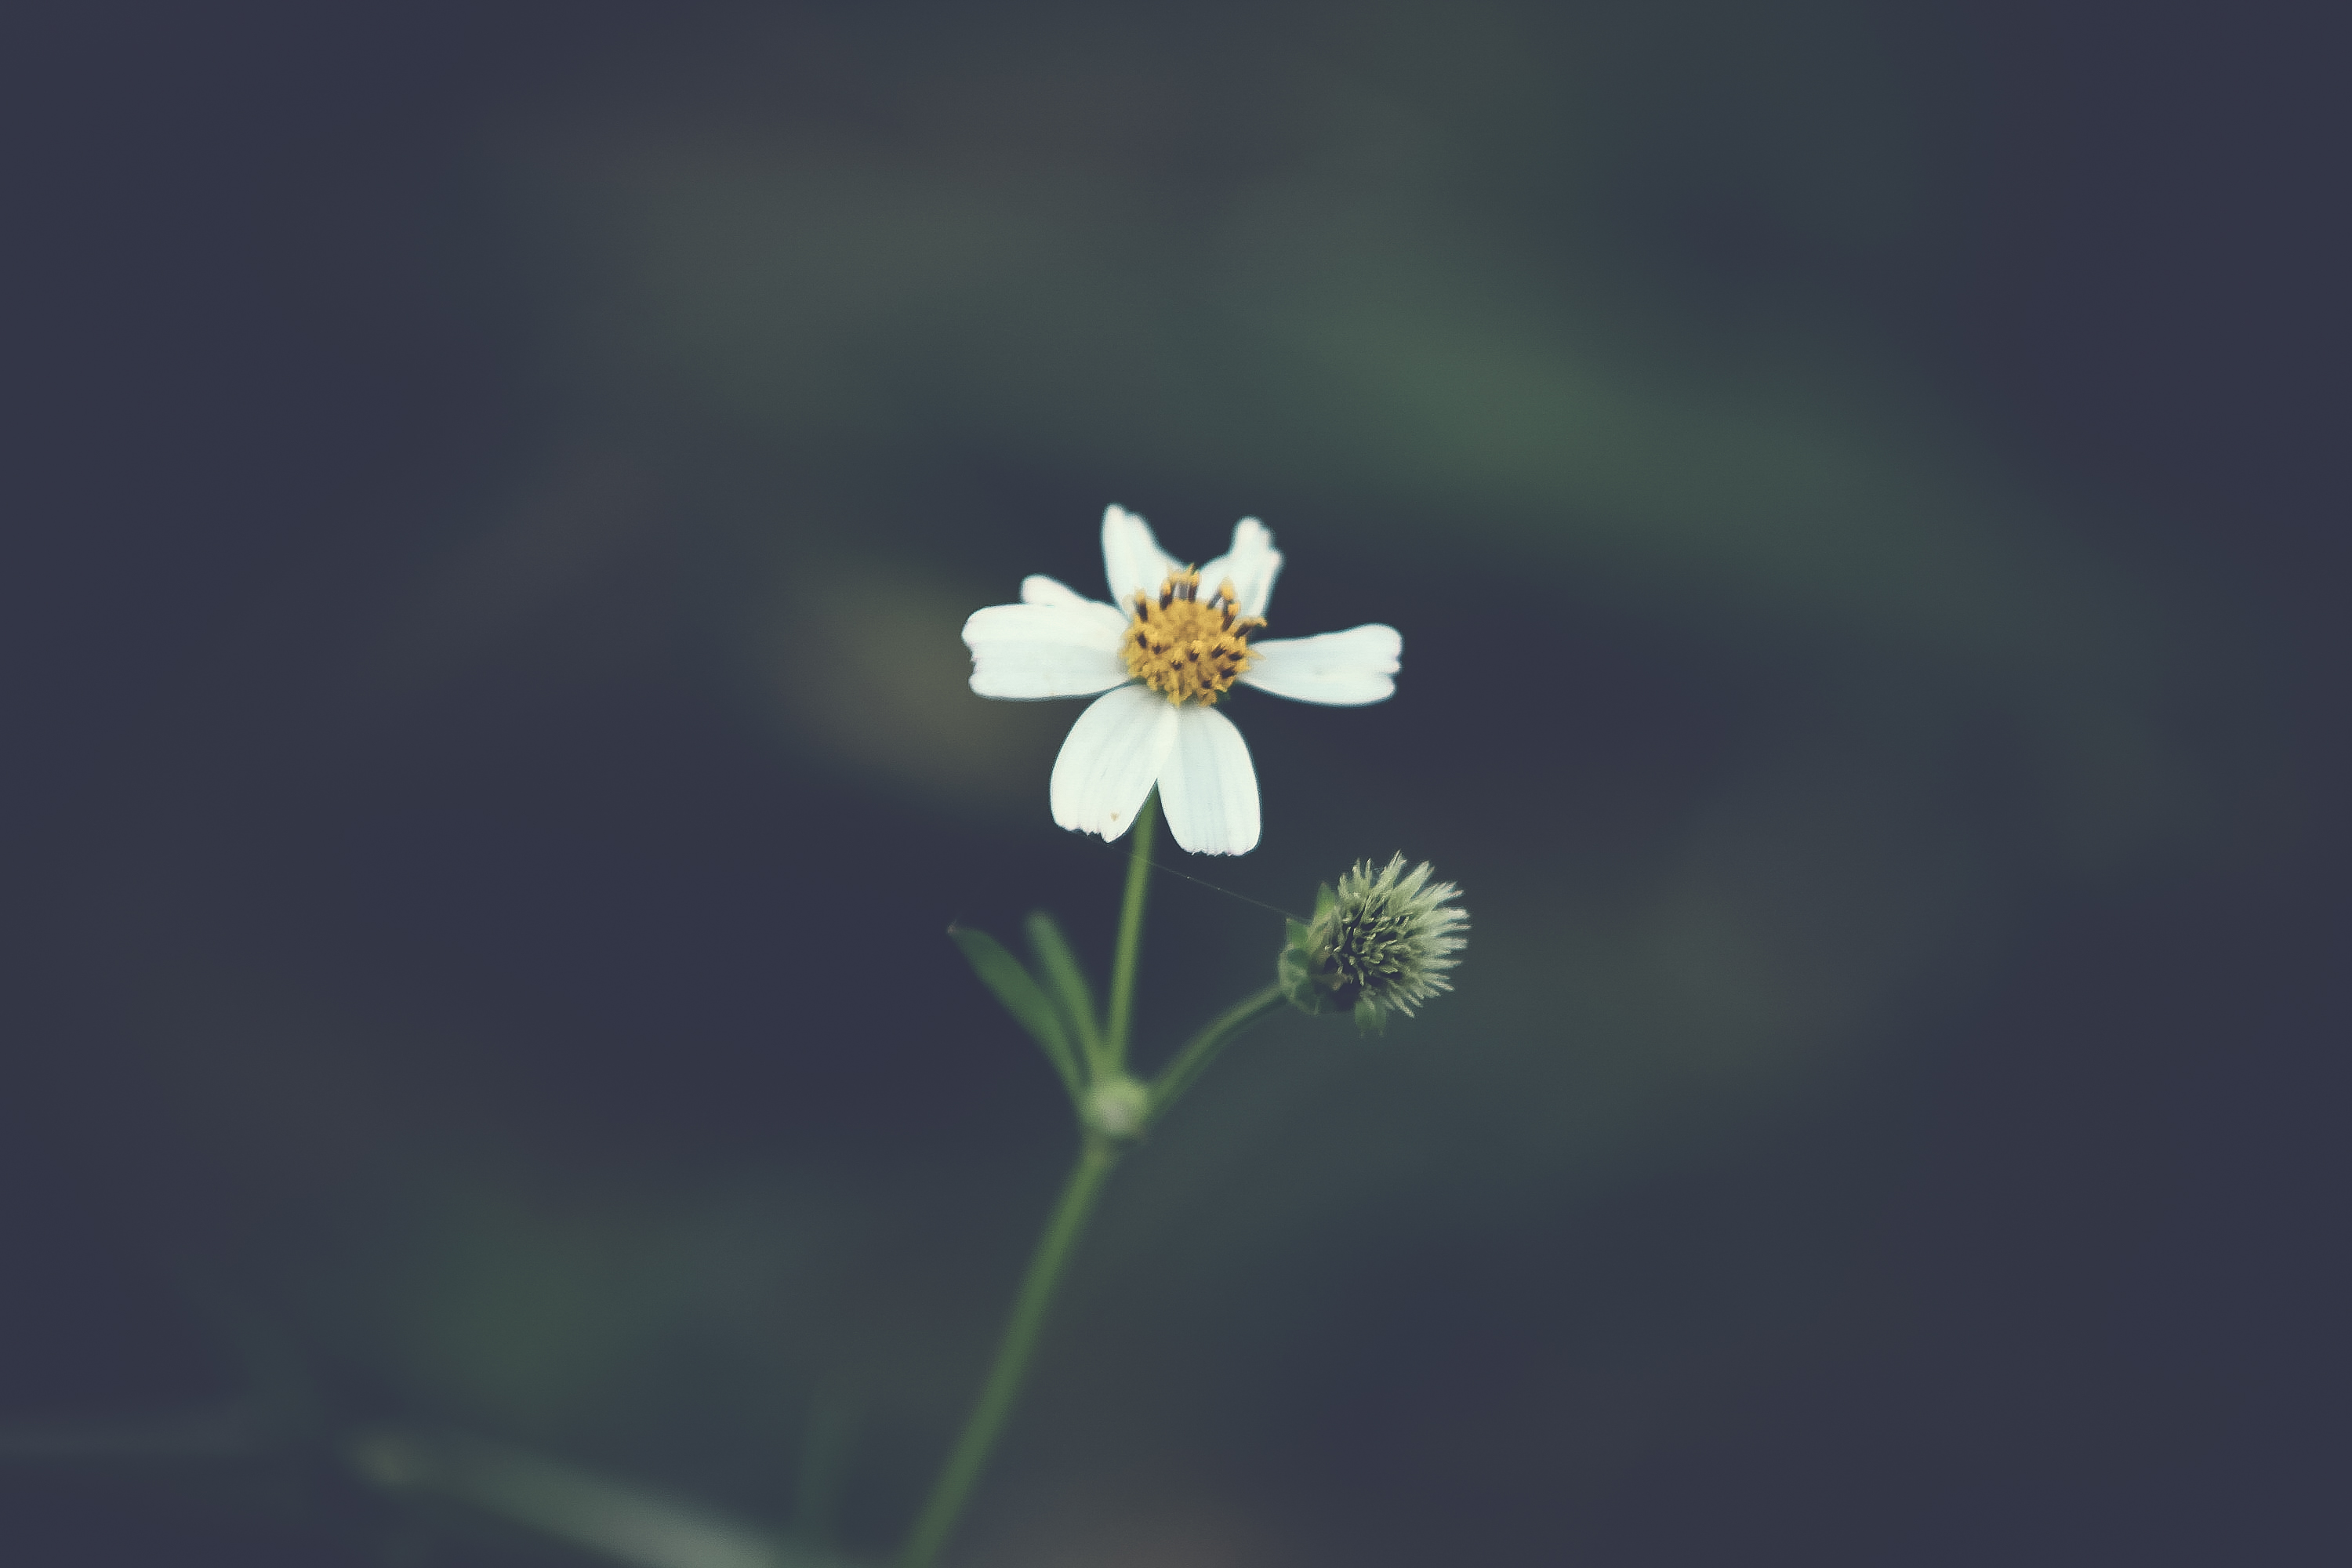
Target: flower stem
{"x": 948, "y": 1493}
{"x": 1202, "y": 1049}
{"x": 1131, "y": 930}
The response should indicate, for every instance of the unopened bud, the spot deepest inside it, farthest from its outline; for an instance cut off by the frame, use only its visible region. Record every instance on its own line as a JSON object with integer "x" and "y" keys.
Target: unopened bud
{"x": 1381, "y": 943}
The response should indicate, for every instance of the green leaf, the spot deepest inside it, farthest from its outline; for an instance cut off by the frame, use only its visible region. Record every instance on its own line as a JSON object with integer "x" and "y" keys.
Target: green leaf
{"x": 1066, "y": 981}
{"x": 617, "y": 1521}
{"x": 1297, "y": 979}
{"x": 1372, "y": 1018}
{"x": 1001, "y": 973}
{"x": 1325, "y": 897}
{"x": 1296, "y": 933}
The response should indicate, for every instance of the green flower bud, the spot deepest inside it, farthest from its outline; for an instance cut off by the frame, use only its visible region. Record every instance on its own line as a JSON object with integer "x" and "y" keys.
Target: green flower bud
{"x": 1381, "y": 943}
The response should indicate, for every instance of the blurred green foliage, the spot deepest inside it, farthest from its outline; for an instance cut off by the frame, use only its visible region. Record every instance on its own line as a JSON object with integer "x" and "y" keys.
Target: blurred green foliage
{"x": 507, "y": 949}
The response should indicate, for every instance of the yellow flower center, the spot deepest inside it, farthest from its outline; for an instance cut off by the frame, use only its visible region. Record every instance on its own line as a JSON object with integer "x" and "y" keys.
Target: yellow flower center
{"x": 1188, "y": 649}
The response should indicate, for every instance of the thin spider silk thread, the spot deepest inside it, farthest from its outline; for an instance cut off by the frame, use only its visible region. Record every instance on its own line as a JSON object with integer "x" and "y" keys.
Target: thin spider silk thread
{"x": 1203, "y": 882}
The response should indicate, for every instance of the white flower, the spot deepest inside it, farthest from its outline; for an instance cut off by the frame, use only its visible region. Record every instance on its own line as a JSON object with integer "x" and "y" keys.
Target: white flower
{"x": 1163, "y": 658}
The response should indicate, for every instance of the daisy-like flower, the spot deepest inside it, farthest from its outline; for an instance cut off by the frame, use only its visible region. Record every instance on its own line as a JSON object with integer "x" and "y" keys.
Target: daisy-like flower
{"x": 1163, "y": 656}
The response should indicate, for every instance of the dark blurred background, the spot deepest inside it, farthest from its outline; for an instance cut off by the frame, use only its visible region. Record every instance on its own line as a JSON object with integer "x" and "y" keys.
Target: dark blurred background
{"x": 492, "y": 495}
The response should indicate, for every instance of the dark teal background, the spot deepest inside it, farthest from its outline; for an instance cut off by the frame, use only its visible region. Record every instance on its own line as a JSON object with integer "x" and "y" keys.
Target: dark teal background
{"x": 492, "y": 495}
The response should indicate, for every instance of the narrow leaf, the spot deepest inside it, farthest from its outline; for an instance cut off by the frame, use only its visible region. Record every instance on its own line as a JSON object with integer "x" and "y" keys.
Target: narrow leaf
{"x": 1001, "y": 973}
{"x": 1297, "y": 981}
{"x": 1066, "y": 981}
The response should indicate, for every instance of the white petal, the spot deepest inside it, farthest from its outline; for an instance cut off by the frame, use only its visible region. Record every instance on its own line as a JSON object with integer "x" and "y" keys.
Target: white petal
{"x": 1029, "y": 651}
{"x": 1208, "y": 787}
{"x": 1132, "y": 558}
{"x": 1040, "y": 590}
{"x": 1251, "y": 564}
{"x": 1111, "y": 759}
{"x": 1345, "y": 669}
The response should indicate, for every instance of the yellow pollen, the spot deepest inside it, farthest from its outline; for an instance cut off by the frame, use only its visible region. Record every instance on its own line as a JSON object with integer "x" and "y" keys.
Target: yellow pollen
{"x": 1188, "y": 649}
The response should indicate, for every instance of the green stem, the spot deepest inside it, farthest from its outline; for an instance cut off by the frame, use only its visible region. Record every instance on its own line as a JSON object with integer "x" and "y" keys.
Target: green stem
{"x": 948, "y": 1493}
{"x": 1202, "y": 1049}
{"x": 1131, "y": 930}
